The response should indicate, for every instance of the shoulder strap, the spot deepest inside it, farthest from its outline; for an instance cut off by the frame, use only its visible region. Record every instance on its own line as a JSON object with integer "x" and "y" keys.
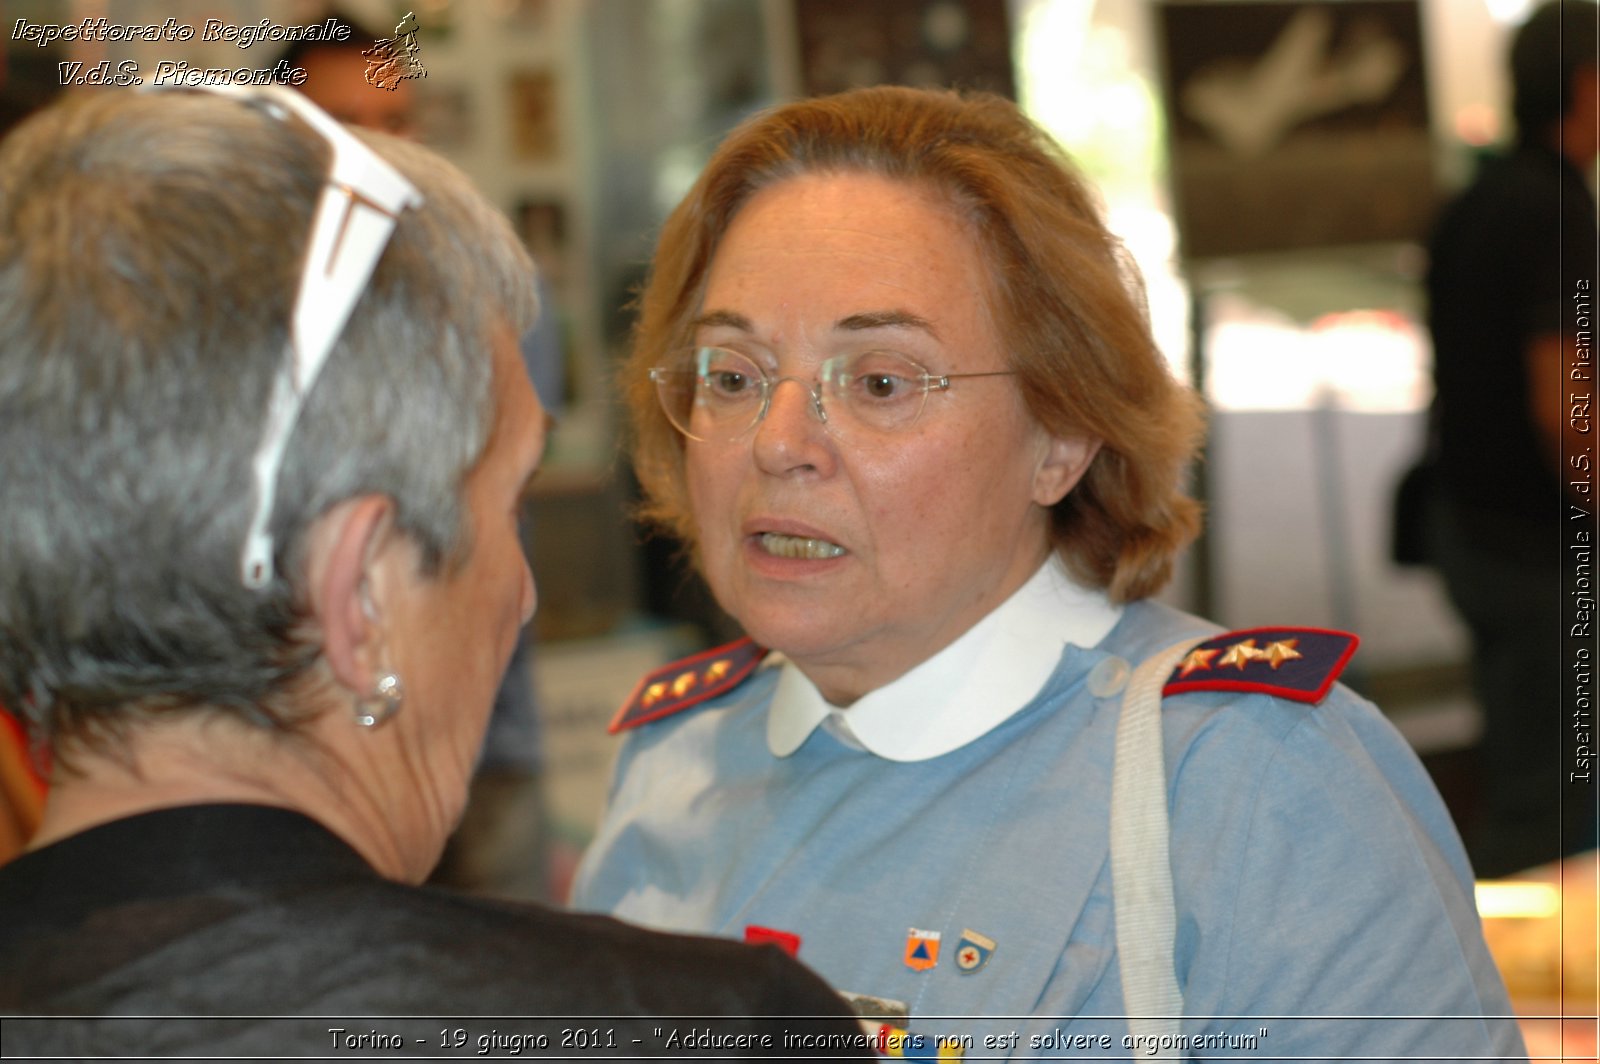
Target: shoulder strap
{"x": 1298, "y": 664}
{"x": 688, "y": 682}
{"x": 1141, "y": 874}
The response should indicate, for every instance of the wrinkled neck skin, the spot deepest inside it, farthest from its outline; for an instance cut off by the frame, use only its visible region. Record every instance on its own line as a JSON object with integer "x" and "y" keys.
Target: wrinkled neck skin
{"x": 208, "y": 757}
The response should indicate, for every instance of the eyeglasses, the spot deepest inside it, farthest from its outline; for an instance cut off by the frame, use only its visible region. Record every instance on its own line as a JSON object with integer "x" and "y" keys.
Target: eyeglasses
{"x": 355, "y": 217}
{"x": 715, "y": 395}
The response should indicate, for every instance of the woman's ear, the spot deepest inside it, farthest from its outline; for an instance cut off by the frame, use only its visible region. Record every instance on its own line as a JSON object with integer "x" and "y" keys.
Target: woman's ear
{"x": 1062, "y": 463}
{"x": 344, "y": 544}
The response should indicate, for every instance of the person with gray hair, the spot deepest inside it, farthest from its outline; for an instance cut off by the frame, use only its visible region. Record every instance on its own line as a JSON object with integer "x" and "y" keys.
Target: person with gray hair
{"x": 264, "y": 436}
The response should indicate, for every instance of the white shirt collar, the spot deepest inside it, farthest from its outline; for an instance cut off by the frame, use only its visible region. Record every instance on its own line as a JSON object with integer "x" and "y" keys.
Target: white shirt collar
{"x": 961, "y": 693}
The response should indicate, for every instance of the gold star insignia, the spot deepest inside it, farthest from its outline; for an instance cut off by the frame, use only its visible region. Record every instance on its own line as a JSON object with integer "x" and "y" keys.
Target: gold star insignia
{"x": 653, "y": 694}
{"x": 1241, "y": 654}
{"x": 1281, "y": 651}
{"x": 717, "y": 670}
{"x": 684, "y": 683}
{"x": 1196, "y": 661}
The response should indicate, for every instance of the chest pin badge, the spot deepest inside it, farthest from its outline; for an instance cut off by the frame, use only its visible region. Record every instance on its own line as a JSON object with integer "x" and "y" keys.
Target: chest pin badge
{"x": 922, "y": 950}
{"x": 973, "y": 951}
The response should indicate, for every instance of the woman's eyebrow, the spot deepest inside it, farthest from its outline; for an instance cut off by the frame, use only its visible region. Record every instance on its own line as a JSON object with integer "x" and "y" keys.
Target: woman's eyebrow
{"x": 861, "y": 322}
{"x": 886, "y": 319}
{"x": 726, "y": 318}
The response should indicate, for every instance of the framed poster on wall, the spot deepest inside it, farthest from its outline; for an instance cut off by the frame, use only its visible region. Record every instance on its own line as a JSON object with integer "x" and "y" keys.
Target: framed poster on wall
{"x": 1296, "y": 124}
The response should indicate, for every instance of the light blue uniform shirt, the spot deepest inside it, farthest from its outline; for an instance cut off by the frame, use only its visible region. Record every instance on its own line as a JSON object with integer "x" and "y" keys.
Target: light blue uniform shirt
{"x": 1319, "y": 880}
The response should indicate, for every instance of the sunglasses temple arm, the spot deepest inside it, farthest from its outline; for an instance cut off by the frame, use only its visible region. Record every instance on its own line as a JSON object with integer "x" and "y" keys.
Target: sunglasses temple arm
{"x": 283, "y": 410}
{"x": 350, "y": 234}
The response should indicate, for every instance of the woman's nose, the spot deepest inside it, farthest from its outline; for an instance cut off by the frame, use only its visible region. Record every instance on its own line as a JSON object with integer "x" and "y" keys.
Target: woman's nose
{"x": 793, "y": 432}
{"x": 810, "y": 391}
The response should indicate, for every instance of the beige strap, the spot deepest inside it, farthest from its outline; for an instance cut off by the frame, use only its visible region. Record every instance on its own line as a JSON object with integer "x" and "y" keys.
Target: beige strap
{"x": 1141, "y": 874}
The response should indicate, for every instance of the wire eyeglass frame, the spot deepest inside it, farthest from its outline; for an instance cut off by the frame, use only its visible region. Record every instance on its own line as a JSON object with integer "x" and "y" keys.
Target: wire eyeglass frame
{"x": 833, "y": 375}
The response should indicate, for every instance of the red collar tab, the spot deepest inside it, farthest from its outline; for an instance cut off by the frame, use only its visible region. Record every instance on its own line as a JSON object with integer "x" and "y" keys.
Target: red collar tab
{"x": 787, "y": 941}
{"x": 675, "y": 687}
{"x": 1299, "y": 664}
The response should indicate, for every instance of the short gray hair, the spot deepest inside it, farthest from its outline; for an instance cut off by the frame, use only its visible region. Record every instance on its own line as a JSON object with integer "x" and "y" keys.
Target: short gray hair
{"x": 150, "y": 246}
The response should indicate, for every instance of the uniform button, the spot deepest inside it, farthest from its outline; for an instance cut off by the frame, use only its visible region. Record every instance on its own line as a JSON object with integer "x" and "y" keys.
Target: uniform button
{"x": 1108, "y": 677}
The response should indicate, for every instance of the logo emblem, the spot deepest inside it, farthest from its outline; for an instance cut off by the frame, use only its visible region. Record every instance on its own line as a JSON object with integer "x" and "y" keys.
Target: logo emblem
{"x": 389, "y": 62}
{"x": 922, "y": 950}
{"x": 973, "y": 951}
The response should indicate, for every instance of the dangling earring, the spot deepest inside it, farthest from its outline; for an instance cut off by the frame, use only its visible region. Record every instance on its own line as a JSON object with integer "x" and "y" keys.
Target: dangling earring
{"x": 383, "y": 703}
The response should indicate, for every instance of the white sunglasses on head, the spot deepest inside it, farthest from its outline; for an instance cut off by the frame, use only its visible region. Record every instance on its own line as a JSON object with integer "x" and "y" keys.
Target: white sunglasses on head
{"x": 361, "y": 199}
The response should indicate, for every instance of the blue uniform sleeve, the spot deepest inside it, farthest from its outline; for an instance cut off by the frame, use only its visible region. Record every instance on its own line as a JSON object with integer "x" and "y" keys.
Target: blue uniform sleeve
{"x": 1330, "y": 904}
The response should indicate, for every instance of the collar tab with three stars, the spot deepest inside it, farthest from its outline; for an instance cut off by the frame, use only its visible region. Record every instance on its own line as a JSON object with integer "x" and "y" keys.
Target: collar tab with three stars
{"x": 688, "y": 682}
{"x": 1299, "y": 664}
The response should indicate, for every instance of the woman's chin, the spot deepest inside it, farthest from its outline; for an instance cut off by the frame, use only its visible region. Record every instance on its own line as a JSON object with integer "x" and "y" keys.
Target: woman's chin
{"x": 816, "y": 637}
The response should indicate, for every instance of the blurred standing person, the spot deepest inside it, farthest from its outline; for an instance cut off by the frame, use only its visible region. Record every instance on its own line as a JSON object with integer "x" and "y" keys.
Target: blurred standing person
{"x": 1507, "y": 257}
{"x": 502, "y": 843}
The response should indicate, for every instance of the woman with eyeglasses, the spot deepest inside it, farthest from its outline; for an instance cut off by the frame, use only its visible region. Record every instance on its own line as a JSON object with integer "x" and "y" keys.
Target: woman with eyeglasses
{"x": 265, "y": 435}
{"x": 894, "y": 385}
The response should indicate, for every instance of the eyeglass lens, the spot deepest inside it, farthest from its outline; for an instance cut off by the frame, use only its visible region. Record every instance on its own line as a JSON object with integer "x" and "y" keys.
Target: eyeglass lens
{"x": 714, "y": 394}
